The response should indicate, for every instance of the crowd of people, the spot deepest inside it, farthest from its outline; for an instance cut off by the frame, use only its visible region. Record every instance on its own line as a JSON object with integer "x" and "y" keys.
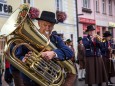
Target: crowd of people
{"x": 94, "y": 56}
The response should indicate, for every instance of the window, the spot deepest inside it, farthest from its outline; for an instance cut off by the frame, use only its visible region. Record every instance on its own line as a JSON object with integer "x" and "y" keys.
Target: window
{"x": 110, "y": 7}
{"x": 97, "y": 5}
{"x": 103, "y": 6}
{"x": 86, "y": 3}
{"x": 27, "y": 1}
{"x": 59, "y": 5}
{"x": 114, "y": 2}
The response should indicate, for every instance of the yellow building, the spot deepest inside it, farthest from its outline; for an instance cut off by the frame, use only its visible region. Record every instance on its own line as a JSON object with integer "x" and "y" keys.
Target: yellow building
{"x": 67, "y": 28}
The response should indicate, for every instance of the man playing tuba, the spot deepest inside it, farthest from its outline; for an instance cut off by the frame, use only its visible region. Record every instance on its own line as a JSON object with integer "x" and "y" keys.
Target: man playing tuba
{"x": 46, "y": 23}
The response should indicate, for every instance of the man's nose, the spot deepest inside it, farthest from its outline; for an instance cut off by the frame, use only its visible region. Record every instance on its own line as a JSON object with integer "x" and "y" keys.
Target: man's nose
{"x": 47, "y": 27}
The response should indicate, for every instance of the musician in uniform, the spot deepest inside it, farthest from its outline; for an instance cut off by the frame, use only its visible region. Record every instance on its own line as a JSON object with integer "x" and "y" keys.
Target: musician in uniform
{"x": 106, "y": 49}
{"x": 95, "y": 70}
{"x": 46, "y": 23}
{"x": 81, "y": 59}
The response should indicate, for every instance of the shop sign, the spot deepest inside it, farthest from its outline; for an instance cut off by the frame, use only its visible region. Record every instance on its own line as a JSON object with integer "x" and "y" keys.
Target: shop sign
{"x": 111, "y": 24}
{"x": 102, "y": 23}
{"x": 5, "y": 9}
{"x": 86, "y": 20}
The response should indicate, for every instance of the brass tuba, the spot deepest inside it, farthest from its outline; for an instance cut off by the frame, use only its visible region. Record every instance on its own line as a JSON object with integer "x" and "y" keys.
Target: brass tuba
{"x": 45, "y": 73}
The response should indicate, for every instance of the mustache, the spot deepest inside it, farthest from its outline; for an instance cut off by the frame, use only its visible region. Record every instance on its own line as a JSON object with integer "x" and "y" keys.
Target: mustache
{"x": 47, "y": 32}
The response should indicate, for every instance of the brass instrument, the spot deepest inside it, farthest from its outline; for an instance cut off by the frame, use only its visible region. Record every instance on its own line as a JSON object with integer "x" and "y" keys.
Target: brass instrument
{"x": 45, "y": 73}
{"x": 2, "y": 59}
{"x": 99, "y": 38}
{"x": 112, "y": 56}
{"x": 102, "y": 39}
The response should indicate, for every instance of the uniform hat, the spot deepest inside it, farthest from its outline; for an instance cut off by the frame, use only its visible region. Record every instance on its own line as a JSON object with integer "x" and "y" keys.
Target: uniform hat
{"x": 68, "y": 41}
{"x": 79, "y": 39}
{"x": 90, "y": 28}
{"x": 106, "y": 34}
{"x": 47, "y": 16}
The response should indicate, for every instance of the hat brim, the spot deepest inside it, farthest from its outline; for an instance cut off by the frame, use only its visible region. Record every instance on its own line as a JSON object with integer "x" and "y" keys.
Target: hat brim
{"x": 89, "y": 30}
{"x": 107, "y": 35}
{"x": 79, "y": 39}
{"x": 48, "y": 20}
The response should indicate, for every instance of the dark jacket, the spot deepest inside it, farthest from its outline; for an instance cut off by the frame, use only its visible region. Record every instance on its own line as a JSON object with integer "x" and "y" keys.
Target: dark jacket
{"x": 63, "y": 52}
{"x": 81, "y": 52}
{"x": 104, "y": 49}
{"x": 92, "y": 48}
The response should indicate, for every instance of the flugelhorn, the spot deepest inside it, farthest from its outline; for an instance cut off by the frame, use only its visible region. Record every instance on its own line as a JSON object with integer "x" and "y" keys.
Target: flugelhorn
{"x": 99, "y": 38}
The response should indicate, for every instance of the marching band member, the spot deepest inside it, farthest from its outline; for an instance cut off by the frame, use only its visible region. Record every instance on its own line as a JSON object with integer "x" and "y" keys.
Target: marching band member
{"x": 46, "y": 23}
{"x": 81, "y": 59}
{"x": 106, "y": 54}
{"x": 95, "y": 70}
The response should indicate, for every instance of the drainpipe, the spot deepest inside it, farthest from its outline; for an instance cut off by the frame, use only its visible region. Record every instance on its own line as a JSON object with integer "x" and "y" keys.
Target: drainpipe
{"x": 77, "y": 18}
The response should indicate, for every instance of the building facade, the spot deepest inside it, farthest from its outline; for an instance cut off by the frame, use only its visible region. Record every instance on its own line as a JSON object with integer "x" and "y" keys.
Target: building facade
{"x": 100, "y": 13}
{"x": 67, "y": 28}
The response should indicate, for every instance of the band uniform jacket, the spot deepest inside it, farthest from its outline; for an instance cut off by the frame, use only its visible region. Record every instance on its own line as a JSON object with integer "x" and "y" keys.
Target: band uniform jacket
{"x": 109, "y": 65}
{"x": 81, "y": 56}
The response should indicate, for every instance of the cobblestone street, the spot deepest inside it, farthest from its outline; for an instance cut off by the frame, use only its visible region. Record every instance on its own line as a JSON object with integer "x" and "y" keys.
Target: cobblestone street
{"x": 77, "y": 83}
{"x": 82, "y": 83}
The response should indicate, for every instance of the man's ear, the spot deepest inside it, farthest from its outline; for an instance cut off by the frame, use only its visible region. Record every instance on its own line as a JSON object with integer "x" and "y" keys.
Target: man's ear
{"x": 39, "y": 23}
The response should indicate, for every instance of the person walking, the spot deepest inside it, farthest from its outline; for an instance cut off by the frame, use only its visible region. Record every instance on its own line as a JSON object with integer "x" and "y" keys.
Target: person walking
{"x": 81, "y": 59}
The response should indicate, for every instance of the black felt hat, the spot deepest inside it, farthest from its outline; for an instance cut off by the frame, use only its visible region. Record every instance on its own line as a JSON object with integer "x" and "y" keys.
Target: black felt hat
{"x": 106, "y": 34}
{"x": 68, "y": 40}
{"x": 90, "y": 28}
{"x": 79, "y": 39}
{"x": 48, "y": 16}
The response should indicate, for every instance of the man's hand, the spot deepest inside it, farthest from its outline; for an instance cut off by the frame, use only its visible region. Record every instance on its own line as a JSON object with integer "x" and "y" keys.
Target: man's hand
{"x": 27, "y": 56}
{"x": 48, "y": 55}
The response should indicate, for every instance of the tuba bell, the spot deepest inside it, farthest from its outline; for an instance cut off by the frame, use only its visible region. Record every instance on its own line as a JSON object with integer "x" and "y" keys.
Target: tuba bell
{"x": 24, "y": 32}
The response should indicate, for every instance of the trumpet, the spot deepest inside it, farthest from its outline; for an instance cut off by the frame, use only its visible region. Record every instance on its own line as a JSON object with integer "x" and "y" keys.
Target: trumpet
{"x": 99, "y": 38}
